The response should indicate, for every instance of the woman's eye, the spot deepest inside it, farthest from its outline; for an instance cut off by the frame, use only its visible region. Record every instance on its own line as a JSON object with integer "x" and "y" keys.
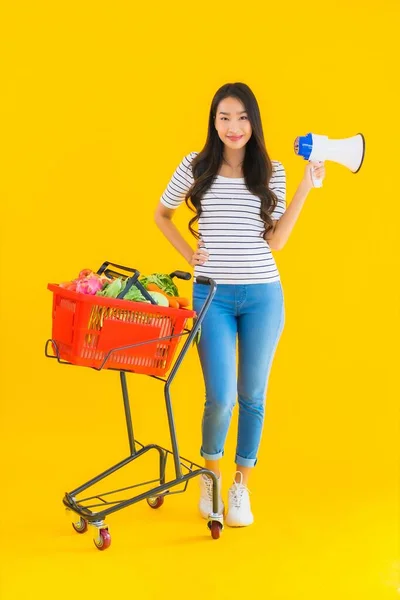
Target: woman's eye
{"x": 244, "y": 117}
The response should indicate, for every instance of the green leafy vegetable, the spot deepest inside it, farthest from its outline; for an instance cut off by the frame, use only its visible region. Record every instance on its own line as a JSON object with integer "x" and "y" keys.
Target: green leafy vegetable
{"x": 135, "y": 295}
{"x": 113, "y": 289}
{"x": 163, "y": 281}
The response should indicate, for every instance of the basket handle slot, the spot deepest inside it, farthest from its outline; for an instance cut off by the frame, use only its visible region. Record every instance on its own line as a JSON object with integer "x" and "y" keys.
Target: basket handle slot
{"x": 104, "y": 269}
{"x": 130, "y": 281}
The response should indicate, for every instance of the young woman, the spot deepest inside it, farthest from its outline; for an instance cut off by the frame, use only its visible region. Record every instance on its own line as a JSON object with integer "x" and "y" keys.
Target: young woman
{"x": 238, "y": 196}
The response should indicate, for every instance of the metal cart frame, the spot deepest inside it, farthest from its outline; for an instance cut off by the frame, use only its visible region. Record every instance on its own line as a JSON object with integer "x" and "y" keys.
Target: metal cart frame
{"x": 94, "y": 514}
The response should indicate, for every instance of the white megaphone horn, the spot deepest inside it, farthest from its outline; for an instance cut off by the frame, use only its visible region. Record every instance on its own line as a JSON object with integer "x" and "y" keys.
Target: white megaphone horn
{"x": 348, "y": 152}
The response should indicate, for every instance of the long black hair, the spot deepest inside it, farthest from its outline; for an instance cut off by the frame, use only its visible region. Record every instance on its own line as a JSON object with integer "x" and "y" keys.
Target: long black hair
{"x": 257, "y": 166}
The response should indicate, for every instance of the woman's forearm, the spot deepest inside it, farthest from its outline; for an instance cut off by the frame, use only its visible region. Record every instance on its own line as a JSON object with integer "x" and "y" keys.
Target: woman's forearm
{"x": 173, "y": 235}
{"x": 284, "y": 227}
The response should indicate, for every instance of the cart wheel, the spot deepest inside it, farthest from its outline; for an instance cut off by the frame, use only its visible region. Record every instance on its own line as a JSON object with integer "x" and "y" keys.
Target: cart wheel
{"x": 80, "y": 526}
{"x": 155, "y": 502}
{"x": 103, "y": 540}
{"x": 215, "y": 528}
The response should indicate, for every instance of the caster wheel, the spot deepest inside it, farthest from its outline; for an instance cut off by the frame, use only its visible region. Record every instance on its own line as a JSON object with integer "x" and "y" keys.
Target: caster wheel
{"x": 215, "y": 528}
{"x": 155, "y": 502}
{"x": 80, "y": 526}
{"x": 103, "y": 540}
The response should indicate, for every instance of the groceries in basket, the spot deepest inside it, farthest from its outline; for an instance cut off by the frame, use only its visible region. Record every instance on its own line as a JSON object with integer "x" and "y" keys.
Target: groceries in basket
{"x": 159, "y": 285}
{"x": 107, "y": 319}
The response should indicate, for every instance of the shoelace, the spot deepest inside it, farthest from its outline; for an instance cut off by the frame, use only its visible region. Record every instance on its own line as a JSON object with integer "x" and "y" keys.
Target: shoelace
{"x": 236, "y": 495}
{"x": 237, "y": 491}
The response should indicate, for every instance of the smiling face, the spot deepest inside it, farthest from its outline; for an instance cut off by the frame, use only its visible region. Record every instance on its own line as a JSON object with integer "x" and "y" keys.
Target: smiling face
{"x": 232, "y": 123}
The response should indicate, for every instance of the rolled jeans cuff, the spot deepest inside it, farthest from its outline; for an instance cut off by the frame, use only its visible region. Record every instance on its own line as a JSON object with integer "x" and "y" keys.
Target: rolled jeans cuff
{"x": 211, "y": 456}
{"x": 245, "y": 462}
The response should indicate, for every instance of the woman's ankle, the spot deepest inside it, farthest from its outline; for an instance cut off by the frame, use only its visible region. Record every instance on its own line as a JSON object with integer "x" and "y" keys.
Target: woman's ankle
{"x": 213, "y": 465}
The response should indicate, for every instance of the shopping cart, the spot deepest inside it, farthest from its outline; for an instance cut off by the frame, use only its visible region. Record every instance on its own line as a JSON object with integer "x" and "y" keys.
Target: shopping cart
{"x": 126, "y": 336}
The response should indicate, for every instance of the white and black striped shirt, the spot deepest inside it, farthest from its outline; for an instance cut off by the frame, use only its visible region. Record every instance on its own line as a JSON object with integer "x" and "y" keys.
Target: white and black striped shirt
{"x": 230, "y": 225}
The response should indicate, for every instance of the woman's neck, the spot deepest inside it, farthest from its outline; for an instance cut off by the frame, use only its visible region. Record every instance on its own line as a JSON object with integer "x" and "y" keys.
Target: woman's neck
{"x": 232, "y": 163}
{"x": 233, "y": 158}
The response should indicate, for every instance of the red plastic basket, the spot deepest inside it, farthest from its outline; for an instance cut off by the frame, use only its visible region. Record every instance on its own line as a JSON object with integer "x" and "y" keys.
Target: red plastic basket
{"x": 86, "y": 328}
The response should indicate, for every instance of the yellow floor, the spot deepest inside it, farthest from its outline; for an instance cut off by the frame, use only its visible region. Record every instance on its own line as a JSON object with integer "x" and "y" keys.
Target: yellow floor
{"x": 313, "y": 537}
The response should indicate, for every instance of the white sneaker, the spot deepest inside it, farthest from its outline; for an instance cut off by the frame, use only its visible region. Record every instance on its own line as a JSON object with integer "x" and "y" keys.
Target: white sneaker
{"x": 239, "y": 509}
{"x": 206, "y": 495}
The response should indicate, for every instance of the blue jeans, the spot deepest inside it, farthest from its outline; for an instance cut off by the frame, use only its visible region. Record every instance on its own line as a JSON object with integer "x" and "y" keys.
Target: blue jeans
{"x": 253, "y": 315}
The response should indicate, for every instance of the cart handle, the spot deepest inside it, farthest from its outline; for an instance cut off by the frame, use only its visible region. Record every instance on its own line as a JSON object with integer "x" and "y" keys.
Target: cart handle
{"x": 181, "y": 275}
{"x": 205, "y": 280}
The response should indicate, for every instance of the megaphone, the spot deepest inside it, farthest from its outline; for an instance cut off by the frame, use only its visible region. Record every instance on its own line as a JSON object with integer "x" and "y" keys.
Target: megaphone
{"x": 348, "y": 152}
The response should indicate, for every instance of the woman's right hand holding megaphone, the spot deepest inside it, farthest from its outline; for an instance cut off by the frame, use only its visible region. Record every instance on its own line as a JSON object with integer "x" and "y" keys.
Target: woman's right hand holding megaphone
{"x": 314, "y": 174}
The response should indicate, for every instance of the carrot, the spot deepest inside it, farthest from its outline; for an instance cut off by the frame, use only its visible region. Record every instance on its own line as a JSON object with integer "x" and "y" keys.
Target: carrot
{"x": 173, "y": 302}
{"x": 182, "y": 301}
{"x": 152, "y": 287}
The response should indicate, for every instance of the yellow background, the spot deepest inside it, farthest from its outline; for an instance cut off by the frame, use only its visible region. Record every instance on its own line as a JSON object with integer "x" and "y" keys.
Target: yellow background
{"x": 99, "y": 103}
